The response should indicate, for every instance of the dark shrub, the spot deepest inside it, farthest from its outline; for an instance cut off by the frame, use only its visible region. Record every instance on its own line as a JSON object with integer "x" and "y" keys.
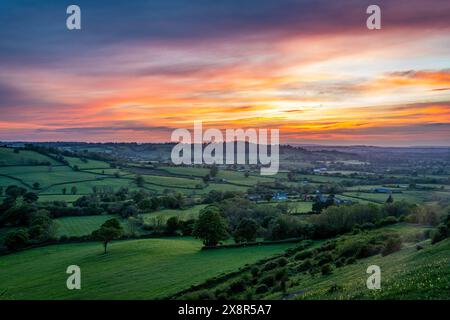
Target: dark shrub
{"x": 367, "y": 226}
{"x": 340, "y": 262}
{"x": 261, "y": 289}
{"x": 303, "y": 255}
{"x": 368, "y": 250}
{"x": 280, "y": 274}
{"x": 305, "y": 265}
{"x": 350, "y": 260}
{"x": 268, "y": 280}
{"x": 334, "y": 288}
{"x": 326, "y": 269}
{"x": 221, "y": 295}
{"x": 16, "y": 240}
{"x": 269, "y": 266}
{"x": 324, "y": 258}
{"x": 439, "y": 234}
{"x": 393, "y": 244}
{"x": 328, "y": 246}
{"x": 282, "y": 262}
{"x": 237, "y": 286}
{"x": 254, "y": 271}
{"x": 206, "y": 295}
{"x": 387, "y": 221}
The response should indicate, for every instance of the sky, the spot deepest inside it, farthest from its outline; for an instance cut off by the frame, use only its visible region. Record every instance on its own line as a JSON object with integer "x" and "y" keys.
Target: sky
{"x": 137, "y": 70}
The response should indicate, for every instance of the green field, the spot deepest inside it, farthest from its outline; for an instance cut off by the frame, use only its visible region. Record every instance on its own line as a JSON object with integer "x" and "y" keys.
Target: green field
{"x": 409, "y": 196}
{"x": 135, "y": 269}
{"x": 84, "y": 225}
{"x": 45, "y": 176}
{"x": 186, "y": 171}
{"x": 86, "y": 187}
{"x": 173, "y": 182}
{"x": 89, "y": 164}
{"x": 24, "y": 157}
{"x": 239, "y": 178}
{"x": 186, "y": 214}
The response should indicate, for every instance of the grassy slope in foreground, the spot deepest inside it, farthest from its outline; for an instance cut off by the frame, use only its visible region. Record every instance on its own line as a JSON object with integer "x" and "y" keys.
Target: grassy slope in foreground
{"x": 407, "y": 274}
{"x": 136, "y": 269}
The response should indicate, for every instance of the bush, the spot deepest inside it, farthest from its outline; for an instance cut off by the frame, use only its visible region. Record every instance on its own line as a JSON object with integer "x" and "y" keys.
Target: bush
{"x": 206, "y": 295}
{"x": 269, "y": 266}
{"x": 305, "y": 265}
{"x": 303, "y": 255}
{"x": 261, "y": 289}
{"x": 268, "y": 280}
{"x": 324, "y": 258}
{"x": 281, "y": 274}
{"x": 326, "y": 269}
{"x": 439, "y": 234}
{"x": 16, "y": 240}
{"x": 282, "y": 262}
{"x": 254, "y": 271}
{"x": 334, "y": 288}
{"x": 387, "y": 221}
{"x": 367, "y": 226}
{"x": 340, "y": 262}
{"x": 393, "y": 244}
{"x": 328, "y": 246}
{"x": 237, "y": 286}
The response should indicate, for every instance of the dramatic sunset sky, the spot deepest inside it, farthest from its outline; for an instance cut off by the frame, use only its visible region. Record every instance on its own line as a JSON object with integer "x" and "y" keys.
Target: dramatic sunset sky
{"x": 140, "y": 69}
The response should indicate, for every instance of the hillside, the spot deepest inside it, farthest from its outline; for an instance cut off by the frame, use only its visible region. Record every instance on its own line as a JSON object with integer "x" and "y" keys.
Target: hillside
{"x": 136, "y": 269}
{"x": 406, "y": 274}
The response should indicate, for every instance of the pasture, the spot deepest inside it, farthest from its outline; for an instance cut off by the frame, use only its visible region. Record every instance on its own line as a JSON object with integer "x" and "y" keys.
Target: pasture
{"x": 24, "y": 157}
{"x": 83, "y": 225}
{"x": 133, "y": 269}
{"x": 185, "y": 214}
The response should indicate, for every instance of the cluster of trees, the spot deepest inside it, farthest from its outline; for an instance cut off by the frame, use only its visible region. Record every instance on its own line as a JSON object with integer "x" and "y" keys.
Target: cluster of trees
{"x": 19, "y": 209}
{"x": 245, "y": 221}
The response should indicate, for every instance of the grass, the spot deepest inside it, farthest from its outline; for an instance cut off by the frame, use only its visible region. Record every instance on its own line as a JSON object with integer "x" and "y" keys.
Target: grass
{"x": 69, "y": 198}
{"x": 24, "y": 157}
{"x": 181, "y": 214}
{"x": 134, "y": 269}
{"x": 186, "y": 171}
{"x": 89, "y": 164}
{"x": 46, "y": 177}
{"x": 84, "y": 225}
{"x": 407, "y": 274}
{"x": 409, "y": 196}
{"x": 295, "y": 207}
{"x": 5, "y": 181}
{"x": 172, "y": 181}
{"x": 87, "y": 186}
{"x": 239, "y": 178}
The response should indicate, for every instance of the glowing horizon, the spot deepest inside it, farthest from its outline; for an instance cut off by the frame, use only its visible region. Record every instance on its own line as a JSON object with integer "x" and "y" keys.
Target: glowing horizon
{"x": 311, "y": 70}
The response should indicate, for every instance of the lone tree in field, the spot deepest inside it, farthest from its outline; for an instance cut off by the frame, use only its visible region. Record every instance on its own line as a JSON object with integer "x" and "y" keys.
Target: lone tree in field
{"x": 211, "y": 227}
{"x": 108, "y": 231}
